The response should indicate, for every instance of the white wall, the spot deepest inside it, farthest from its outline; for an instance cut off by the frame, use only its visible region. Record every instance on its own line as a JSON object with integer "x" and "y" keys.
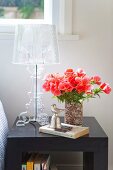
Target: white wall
{"x": 93, "y": 20}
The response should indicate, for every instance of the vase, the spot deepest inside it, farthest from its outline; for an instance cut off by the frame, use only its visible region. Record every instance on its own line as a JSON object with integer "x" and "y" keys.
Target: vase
{"x": 73, "y": 113}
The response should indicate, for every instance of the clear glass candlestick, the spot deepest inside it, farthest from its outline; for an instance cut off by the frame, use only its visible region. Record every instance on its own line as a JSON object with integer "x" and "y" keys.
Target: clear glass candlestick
{"x": 35, "y": 105}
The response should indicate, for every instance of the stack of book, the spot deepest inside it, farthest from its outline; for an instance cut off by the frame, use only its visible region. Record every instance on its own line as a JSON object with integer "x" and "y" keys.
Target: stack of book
{"x": 35, "y": 161}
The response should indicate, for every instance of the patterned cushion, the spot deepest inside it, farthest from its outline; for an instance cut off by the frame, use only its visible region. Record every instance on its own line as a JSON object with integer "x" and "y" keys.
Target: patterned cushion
{"x": 3, "y": 134}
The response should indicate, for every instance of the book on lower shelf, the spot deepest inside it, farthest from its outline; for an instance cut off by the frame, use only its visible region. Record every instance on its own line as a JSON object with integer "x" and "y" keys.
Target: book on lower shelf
{"x": 30, "y": 162}
{"x": 25, "y": 159}
{"x": 69, "y": 131}
{"x": 36, "y": 161}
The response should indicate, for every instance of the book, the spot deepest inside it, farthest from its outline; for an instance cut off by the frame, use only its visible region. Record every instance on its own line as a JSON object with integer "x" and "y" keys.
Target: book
{"x": 45, "y": 164}
{"x": 24, "y": 167}
{"x": 37, "y": 162}
{"x": 42, "y": 162}
{"x": 67, "y": 130}
{"x": 26, "y": 156}
{"x": 30, "y": 162}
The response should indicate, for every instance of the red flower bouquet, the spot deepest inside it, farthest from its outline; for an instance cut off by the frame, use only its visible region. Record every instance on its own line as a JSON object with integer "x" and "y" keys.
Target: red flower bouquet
{"x": 75, "y": 86}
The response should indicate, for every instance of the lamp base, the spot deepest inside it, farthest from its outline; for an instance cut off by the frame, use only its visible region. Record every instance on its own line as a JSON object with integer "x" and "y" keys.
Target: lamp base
{"x": 42, "y": 119}
{"x": 35, "y": 110}
{"x": 35, "y": 106}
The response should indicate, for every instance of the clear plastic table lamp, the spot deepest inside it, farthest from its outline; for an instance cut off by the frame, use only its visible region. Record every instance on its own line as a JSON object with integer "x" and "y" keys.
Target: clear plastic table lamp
{"x": 36, "y": 45}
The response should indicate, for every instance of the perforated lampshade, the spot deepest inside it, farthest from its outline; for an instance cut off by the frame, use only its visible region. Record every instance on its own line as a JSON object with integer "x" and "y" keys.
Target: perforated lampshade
{"x": 35, "y": 44}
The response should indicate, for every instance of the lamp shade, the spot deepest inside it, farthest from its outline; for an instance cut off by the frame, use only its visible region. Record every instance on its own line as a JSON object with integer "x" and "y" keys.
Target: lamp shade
{"x": 35, "y": 44}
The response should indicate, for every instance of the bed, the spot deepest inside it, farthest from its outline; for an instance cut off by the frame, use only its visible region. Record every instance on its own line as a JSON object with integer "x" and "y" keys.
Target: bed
{"x": 3, "y": 135}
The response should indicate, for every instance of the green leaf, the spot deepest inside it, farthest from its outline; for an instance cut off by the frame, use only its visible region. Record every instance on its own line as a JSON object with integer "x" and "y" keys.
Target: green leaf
{"x": 26, "y": 11}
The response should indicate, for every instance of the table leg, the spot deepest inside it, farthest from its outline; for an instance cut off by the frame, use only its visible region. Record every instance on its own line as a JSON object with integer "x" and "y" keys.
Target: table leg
{"x": 13, "y": 159}
{"x": 96, "y": 161}
{"x": 88, "y": 161}
{"x": 101, "y": 160}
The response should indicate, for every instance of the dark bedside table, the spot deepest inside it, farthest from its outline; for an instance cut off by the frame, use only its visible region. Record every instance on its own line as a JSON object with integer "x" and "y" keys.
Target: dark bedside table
{"x": 24, "y": 139}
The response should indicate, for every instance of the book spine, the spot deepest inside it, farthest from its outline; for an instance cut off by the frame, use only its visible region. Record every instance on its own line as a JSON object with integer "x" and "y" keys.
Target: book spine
{"x": 24, "y": 167}
{"x": 37, "y": 167}
{"x": 44, "y": 166}
{"x": 29, "y": 165}
{"x": 46, "y": 163}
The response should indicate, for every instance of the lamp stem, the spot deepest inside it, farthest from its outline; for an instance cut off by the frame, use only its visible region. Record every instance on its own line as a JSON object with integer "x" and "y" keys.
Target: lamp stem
{"x": 35, "y": 104}
{"x": 36, "y": 96}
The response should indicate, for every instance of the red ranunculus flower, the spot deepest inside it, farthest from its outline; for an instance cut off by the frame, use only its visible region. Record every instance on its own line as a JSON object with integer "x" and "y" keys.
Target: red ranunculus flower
{"x": 46, "y": 86}
{"x": 81, "y": 72}
{"x": 78, "y": 80}
{"x": 105, "y": 88}
{"x": 69, "y": 72}
{"x": 74, "y": 86}
{"x": 84, "y": 89}
{"x": 54, "y": 89}
{"x": 85, "y": 80}
{"x": 96, "y": 80}
{"x": 65, "y": 86}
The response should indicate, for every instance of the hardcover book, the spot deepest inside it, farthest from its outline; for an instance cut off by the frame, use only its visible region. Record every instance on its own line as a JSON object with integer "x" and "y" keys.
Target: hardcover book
{"x": 30, "y": 162}
{"x": 69, "y": 131}
{"x": 42, "y": 162}
{"x": 26, "y": 157}
{"x": 24, "y": 167}
{"x": 37, "y": 162}
{"x": 45, "y": 162}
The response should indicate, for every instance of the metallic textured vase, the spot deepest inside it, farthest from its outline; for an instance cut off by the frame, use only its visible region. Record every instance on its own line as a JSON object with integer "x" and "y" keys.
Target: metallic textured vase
{"x": 73, "y": 113}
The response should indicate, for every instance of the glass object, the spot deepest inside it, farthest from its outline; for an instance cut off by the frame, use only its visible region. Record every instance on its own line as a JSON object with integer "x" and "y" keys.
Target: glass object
{"x": 26, "y": 9}
{"x": 73, "y": 113}
{"x": 35, "y": 106}
{"x": 34, "y": 46}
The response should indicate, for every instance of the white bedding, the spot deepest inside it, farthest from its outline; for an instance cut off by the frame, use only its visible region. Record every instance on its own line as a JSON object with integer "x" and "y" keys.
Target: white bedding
{"x": 3, "y": 135}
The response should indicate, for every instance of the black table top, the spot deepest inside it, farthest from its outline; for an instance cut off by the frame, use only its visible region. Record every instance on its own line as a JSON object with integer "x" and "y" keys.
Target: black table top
{"x": 31, "y": 131}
